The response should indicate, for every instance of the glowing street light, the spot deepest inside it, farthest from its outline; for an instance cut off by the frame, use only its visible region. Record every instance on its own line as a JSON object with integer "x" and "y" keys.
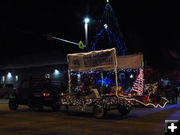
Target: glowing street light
{"x": 86, "y": 21}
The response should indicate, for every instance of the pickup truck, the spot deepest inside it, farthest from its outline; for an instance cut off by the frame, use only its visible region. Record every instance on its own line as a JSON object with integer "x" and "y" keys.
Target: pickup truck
{"x": 35, "y": 93}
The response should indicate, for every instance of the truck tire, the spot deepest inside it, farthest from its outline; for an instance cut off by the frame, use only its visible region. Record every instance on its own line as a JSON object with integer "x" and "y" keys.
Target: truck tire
{"x": 124, "y": 109}
{"x": 13, "y": 104}
{"x": 37, "y": 105}
{"x": 99, "y": 112}
{"x": 55, "y": 108}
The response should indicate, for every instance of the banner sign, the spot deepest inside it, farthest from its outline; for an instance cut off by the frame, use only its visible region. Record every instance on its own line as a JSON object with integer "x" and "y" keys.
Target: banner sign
{"x": 95, "y": 60}
{"x": 130, "y": 61}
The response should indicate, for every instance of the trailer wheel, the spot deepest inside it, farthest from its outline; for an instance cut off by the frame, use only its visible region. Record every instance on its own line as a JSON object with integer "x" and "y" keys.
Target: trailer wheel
{"x": 99, "y": 112}
{"x": 67, "y": 108}
{"x": 124, "y": 109}
{"x": 13, "y": 104}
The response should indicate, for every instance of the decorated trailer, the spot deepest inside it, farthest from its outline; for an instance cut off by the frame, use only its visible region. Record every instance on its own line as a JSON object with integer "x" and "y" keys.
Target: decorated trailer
{"x": 88, "y": 86}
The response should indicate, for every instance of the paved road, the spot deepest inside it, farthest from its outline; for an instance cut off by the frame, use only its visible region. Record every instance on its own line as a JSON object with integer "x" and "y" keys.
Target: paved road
{"x": 149, "y": 121}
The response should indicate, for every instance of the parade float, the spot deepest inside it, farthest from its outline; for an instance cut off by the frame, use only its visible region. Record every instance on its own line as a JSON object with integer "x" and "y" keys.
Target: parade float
{"x": 95, "y": 81}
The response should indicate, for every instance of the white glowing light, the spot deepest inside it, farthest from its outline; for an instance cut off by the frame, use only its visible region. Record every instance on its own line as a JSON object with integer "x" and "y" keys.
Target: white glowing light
{"x": 3, "y": 79}
{"x": 86, "y": 20}
{"x": 105, "y": 26}
{"x": 56, "y": 72}
{"x": 107, "y": 1}
{"x": 131, "y": 76}
{"x": 79, "y": 77}
{"x": 16, "y": 77}
{"x": 47, "y": 75}
{"x": 9, "y": 75}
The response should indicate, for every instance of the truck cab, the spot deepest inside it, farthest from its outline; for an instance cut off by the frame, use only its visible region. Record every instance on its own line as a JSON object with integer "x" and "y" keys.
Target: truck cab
{"x": 35, "y": 93}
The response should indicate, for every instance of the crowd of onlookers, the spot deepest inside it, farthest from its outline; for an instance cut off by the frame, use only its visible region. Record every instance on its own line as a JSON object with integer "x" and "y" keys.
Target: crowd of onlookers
{"x": 170, "y": 89}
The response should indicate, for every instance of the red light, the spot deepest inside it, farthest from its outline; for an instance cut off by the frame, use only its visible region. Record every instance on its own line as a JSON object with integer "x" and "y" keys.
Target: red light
{"x": 62, "y": 94}
{"x": 46, "y": 94}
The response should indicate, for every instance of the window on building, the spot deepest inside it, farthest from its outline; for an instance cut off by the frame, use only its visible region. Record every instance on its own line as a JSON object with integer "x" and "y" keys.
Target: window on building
{"x": 47, "y": 76}
{"x": 2, "y": 79}
{"x": 16, "y": 77}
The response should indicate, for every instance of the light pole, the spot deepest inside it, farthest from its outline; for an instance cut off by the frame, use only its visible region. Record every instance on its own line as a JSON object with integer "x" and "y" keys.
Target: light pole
{"x": 86, "y": 21}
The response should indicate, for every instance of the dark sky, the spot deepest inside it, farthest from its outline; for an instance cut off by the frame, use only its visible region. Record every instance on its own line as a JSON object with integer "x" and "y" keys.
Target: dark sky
{"x": 148, "y": 27}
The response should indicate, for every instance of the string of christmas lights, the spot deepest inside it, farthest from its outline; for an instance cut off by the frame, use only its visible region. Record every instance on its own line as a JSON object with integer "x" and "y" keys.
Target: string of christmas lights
{"x": 108, "y": 72}
{"x": 138, "y": 85}
{"x": 108, "y": 33}
{"x": 142, "y": 103}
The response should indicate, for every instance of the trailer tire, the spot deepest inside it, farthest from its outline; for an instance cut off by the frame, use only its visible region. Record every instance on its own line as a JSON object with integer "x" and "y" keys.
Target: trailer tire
{"x": 124, "y": 109}
{"x": 99, "y": 112}
{"x": 67, "y": 108}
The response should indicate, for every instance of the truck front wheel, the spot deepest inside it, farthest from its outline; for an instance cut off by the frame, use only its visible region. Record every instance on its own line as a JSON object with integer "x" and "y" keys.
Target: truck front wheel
{"x": 13, "y": 104}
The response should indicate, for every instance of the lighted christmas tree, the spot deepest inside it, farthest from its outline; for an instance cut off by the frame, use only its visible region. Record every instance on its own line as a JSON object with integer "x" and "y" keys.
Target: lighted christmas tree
{"x": 108, "y": 33}
{"x": 138, "y": 85}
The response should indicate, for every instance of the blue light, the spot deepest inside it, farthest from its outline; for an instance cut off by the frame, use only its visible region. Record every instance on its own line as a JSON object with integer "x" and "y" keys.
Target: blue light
{"x": 109, "y": 36}
{"x": 106, "y": 81}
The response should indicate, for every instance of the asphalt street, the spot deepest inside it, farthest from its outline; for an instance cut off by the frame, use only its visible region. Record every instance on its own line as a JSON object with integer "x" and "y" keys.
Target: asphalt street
{"x": 149, "y": 121}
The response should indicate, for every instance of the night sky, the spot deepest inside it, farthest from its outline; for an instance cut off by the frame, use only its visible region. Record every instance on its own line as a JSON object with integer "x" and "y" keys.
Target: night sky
{"x": 148, "y": 27}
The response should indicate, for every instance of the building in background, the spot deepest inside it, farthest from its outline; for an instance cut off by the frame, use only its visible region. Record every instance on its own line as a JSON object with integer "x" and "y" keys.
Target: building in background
{"x": 57, "y": 73}
{"x": 49, "y": 64}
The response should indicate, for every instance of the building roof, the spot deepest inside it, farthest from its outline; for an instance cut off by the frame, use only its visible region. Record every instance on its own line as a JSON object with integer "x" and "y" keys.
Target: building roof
{"x": 35, "y": 60}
